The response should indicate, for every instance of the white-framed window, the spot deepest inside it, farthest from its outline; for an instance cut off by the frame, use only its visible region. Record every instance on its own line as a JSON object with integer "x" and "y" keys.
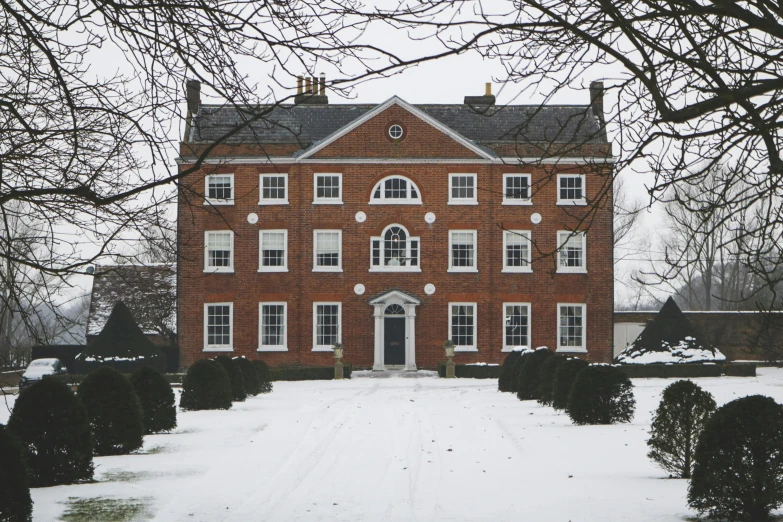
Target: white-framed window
{"x": 273, "y": 327}
{"x": 327, "y": 325}
{"x": 219, "y": 189}
{"x": 273, "y": 189}
{"x": 327, "y": 250}
{"x": 572, "y": 247}
{"x": 571, "y": 189}
{"x": 218, "y": 327}
{"x": 395, "y": 250}
{"x": 517, "y": 250}
{"x": 328, "y": 189}
{"x": 516, "y": 189}
{"x": 462, "y": 189}
{"x": 571, "y": 323}
{"x": 516, "y": 326}
{"x": 462, "y": 326}
{"x": 395, "y": 190}
{"x": 462, "y": 251}
{"x": 273, "y": 251}
{"x": 395, "y": 131}
{"x": 219, "y": 251}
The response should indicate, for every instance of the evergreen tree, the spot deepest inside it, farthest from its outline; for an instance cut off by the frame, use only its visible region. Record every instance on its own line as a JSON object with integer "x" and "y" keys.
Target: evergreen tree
{"x": 601, "y": 394}
{"x": 15, "y": 502}
{"x": 206, "y": 387}
{"x": 238, "y": 393}
{"x": 156, "y": 399}
{"x": 564, "y": 378}
{"x": 506, "y": 372}
{"x": 546, "y": 379}
{"x": 529, "y": 374}
{"x": 264, "y": 384}
{"x": 249, "y": 375}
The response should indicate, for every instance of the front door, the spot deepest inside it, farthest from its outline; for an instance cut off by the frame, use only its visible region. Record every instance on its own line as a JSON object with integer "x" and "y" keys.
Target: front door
{"x": 394, "y": 341}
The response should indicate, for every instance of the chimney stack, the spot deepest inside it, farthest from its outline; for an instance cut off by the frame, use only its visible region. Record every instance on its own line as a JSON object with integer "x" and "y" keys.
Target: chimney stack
{"x": 597, "y": 101}
{"x": 488, "y": 89}
{"x": 308, "y": 86}
{"x": 481, "y": 101}
{"x": 314, "y": 91}
{"x": 299, "y": 81}
{"x": 193, "y": 96}
{"x": 323, "y": 84}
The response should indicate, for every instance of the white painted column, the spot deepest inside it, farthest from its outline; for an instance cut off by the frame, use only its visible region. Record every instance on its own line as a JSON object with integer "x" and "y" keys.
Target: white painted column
{"x": 378, "y": 314}
{"x": 410, "y": 337}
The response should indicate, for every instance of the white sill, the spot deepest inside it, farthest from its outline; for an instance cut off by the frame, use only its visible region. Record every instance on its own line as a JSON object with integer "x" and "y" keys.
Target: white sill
{"x": 273, "y": 349}
{"x": 572, "y": 203}
{"x": 323, "y": 349}
{"x": 466, "y": 202}
{"x": 394, "y": 202}
{"x": 325, "y": 269}
{"x": 517, "y": 271}
{"x": 219, "y": 349}
{"x": 395, "y": 269}
{"x": 327, "y": 202}
{"x": 579, "y": 271}
{"x": 273, "y": 202}
{"x": 465, "y": 349}
{"x": 216, "y": 271}
{"x": 518, "y": 202}
{"x": 507, "y": 349}
{"x": 218, "y": 202}
{"x": 571, "y": 349}
{"x": 462, "y": 270}
{"x": 272, "y": 269}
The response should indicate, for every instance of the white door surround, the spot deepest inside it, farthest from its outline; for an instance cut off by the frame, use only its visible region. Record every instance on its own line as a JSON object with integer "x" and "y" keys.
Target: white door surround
{"x": 409, "y": 304}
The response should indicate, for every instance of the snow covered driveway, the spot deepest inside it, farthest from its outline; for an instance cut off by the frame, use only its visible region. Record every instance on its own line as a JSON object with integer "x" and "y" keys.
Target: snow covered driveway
{"x": 396, "y": 449}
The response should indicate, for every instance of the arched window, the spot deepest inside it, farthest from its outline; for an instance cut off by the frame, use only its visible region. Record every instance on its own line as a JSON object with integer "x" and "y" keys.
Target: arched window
{"x": 394, "y": 251}
{"x": 395, "y": 190}
{"x": 394, "y": 309}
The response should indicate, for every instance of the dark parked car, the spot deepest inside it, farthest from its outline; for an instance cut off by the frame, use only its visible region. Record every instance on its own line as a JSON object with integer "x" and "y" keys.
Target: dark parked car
{"x": 40, "y": 368}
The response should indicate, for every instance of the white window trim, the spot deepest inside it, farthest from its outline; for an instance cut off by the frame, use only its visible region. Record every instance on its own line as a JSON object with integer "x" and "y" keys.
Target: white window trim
{"x": 573, "y": 349}
{"x": 529, "y": 327}
{"x": 465, "y": 348}
{"x": 327, "y": 201}
{"x": 383, "y": 268}
{"x": 339, "y": 267}
{"x": 383, "y": 201}
{"x": 269, "y": 347}
{"x": 262, "y": 268}
{"x": 577, "y": 202}
{"x": 567, "y": 269}
{"x": 217, "y": 269}
{"x": 525, "y": 201}
{"x": 518, "y": 269}
{"x": 214, "y": 201}
{"x": 271, "y": 201}
{"x": 473, "y": 268}
{"x": 220, "y": 347}
{"x": 327, "y": 348}
{"x": 464, "y": 201}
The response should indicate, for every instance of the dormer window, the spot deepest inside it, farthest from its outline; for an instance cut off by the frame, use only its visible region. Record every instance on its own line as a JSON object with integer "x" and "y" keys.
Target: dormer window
{"x": 394, "y": 251}
{"x": 395, "y": 190}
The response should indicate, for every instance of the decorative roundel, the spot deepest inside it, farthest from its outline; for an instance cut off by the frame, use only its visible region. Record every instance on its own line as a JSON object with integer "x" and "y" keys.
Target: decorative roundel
{"x": 429, "y": 217}
{"x": 252, "y": 218}
{"x": 358, "y": 289}
{"x": 361, "y": 217}
{"x": 535, "y": 218}
{"x": 429, "y": 289}
{"x": 395, "y": 131}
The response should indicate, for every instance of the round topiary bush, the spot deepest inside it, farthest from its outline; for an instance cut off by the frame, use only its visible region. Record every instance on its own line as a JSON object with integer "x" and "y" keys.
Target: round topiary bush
{"x": 516, "y": 370}
{"x": 249, "y": 375}
{"x": 546, "y": 379}
{"x": 529, "y": 374}
{"x": 114, "y": 411}
{"x": 677, "y": 425}
{"x": 601, "y": 394}
{"x": 156, "y": 398}
{"x": 738, "y": 464}
{"x": 206, "y": 386}
{"x": 52, "y": 426}
{"x": 264, "y": 384}
{"x": 15, "y": 502}
{"x": 506, "y": 372}
{"x": 238, "y": 393}
{"x": 564, "y": 378}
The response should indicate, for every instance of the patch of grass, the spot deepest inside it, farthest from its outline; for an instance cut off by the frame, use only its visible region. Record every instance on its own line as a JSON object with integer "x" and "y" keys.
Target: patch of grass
{"x": 151, "y": 451}
{"x": 106, "y": 509}
{"x": 123, "y": 476}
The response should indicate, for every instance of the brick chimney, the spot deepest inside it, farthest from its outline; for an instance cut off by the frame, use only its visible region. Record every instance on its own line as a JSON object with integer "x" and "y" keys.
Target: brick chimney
{"x": 193, "y": 97}
{"x": 314, "y": 91}
{"x": 482, "y": 101}
{"x": 597, "y": 101}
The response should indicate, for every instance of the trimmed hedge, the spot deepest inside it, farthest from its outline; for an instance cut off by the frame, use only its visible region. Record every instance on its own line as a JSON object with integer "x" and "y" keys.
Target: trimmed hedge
{"x": 546, "y": 379}
{"x": 687, "y": 371}
{"x": 530, "y": 372}
{"x": 601, "y": 394}
{"x": 157, "y": 400}
{"x": 471, "y": 371}
{"x": 506, "y": 376}
{"x": 15, "y": 502}
{"x": 739, "y": 370}
{"x": 564, "y": 378}
{"x": 264, "y": 379}
{"x": 206, "y": 387}
{"x": 238, "y": 393}
{"x": 52, "y": 426}
{"x": 738, "y": 471}
{"x": 249, "y": 375}
{"x": 114, "y": 411}
{"x": 307, "y": 373}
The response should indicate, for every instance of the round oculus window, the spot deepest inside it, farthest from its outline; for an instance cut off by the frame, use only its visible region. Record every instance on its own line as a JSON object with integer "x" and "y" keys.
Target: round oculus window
{"x": 395, "y": 132}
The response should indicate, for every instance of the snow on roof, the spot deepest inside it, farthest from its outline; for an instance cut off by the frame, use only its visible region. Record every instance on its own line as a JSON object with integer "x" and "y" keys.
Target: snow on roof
{"x": 149, "y": 292}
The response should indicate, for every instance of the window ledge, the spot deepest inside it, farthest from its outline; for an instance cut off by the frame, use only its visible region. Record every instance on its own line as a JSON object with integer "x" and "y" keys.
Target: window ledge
{"x": 273, "y": 202}
{"x": 465, "y": 349}
{"x": 462, "y": 270}
{"x": 323, "y": 349}
{"x": 219, "y": 349}
{"x": 218, "y": 202}
{"x": 580, "y": 271}
{"x": 394, "y": 202}
{"x": 571, "y": 349}
{"x": 214, "y": 271}
{"x": 517, "y": 271}
{"x": 271, "y": 270}
{"x": 571, "y": 203}
{"x": 327, "y": 270}
{"x": 463, "y": 202}
{"x": 507, "y": 349}
{"x": 381, "y": 270}
{"x": 327, "y": 202}
{"x": 273, "y": 349}
{"x": 519, "y": 203}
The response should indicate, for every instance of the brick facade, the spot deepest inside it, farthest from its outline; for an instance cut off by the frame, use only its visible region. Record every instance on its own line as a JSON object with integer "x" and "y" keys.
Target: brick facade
{"x": 300, "y": 286}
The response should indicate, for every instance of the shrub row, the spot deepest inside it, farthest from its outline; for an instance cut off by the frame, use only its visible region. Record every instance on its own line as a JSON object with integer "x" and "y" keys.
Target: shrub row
{"x": 685, "y": 371}
{"x": 472, "y": 371}
{"x": 307, "y": 373}
{"x": 213, "y": 384}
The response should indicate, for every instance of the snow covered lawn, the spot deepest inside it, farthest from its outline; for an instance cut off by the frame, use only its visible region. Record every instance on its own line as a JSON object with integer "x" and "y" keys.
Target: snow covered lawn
{"x": 391, "y": 449}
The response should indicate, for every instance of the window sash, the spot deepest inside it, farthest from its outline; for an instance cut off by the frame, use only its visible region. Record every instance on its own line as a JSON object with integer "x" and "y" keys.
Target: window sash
{"x": 219, "y": 250}
{"x": 272, "y": 325}
{"x": 463, "y": 249}
{"x": 327, "y": 249}
{"x": 327, "y": 324}
{"x": 274, "y": 188}
{"x": 572, "y": 250}
{"x": 516, "y": 187}
{"x": 570, "y": 188}
{"x": 571, "y": 326}
{"x": 516, "y": 325}
{"x": 218, "y": 326}
{"x": 462, "y": 187}
{"x": 327, "y": 187}
{"x": 273, "y": 249}
{"x": 517, "y": 250}
{"x": 395, "y": 256}
{"x": 220, "y": 187}
{"x": 462, "y": 324}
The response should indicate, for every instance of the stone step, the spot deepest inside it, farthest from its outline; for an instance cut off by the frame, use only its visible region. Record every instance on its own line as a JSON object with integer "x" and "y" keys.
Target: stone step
{"x": 393, "y": 374}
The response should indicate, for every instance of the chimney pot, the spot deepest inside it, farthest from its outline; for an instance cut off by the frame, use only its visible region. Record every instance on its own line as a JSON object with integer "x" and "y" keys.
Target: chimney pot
{"x": 323, "y": 84}
{"x": 308, "y": 87}
{"x": 299, "y": 81}
{"x": 488, "y": 89}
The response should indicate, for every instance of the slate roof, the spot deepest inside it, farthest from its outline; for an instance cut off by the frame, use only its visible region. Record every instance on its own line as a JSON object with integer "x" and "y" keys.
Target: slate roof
{"x": 149, "y": 292}
{"x": 485, "y": 126}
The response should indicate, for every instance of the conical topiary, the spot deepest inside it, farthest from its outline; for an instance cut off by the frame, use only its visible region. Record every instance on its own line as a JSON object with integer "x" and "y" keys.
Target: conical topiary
{"x": 249, "y": 375}
{"x": 238, "y": 393}
{"x": 669, "y": 333}
{"x": 156, "y": 398}
{"x": 15, "y": 502}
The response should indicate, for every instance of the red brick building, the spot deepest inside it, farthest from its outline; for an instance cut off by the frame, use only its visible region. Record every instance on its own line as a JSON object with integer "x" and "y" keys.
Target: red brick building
{"x": 394, "y": 227}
